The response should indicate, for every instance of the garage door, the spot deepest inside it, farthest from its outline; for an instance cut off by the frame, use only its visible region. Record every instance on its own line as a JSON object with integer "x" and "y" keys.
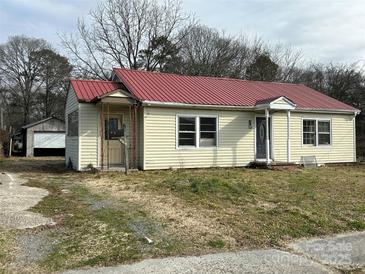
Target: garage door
{"x": 49, "y": 140}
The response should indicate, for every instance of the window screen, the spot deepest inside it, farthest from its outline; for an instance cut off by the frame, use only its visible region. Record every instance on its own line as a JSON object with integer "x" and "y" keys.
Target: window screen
{"x": 187, "y": 131}
{"x": 309, "y": 132}
{"x": 324, "y": 132}
{"x": 113, "y": 129}
{"x": 73, "y": 123}
{"x": 208, "y": 132}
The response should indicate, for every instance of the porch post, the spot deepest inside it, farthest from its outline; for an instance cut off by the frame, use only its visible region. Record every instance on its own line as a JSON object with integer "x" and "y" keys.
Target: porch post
{"x": 288, "y": 141}
{"x": 267, "y": 136}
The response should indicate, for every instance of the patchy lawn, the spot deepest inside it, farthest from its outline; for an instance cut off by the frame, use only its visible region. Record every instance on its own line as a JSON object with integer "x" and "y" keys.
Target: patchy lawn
{"x": 103, "y": 218}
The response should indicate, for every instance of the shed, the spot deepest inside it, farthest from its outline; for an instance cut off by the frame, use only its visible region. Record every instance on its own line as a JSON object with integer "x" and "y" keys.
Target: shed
{"x": 44, "y": 138}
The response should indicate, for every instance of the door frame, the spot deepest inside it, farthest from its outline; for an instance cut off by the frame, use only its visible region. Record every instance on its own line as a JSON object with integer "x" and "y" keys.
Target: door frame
{"x": 271, "y": 138}
{"x": 111, "y": 115}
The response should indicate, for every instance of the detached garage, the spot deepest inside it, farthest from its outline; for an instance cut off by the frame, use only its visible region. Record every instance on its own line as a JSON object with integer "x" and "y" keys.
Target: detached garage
{"x": 44, "y": 138}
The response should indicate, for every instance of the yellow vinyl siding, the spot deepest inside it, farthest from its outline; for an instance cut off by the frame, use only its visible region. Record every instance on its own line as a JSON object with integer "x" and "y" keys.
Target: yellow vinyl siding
{"x": 341, "y": 149}
{"x": 72, "y": 142}
{"x": 279, "y": 136}
{"x": 235, "y": 140}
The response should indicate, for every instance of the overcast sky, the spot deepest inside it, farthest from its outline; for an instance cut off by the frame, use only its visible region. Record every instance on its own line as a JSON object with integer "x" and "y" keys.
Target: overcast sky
{"x": 325, "y": 30}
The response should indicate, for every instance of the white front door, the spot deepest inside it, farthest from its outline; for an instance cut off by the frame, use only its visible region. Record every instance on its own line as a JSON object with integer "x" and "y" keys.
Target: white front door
{"x": 113, "y": 149}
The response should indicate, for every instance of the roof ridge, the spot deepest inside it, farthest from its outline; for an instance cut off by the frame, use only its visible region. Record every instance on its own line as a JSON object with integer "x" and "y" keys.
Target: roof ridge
{"x": 209, "y": 77}
{"x": 95, "y": 80}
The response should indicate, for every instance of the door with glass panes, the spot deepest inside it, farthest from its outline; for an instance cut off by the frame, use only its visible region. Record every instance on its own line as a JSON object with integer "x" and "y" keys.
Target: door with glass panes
{"x": 113, "y": 149}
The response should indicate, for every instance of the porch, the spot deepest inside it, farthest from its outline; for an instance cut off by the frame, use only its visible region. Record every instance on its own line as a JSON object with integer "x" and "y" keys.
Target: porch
{"x": 118, "y": 132}
{"x": 263, "y": 130}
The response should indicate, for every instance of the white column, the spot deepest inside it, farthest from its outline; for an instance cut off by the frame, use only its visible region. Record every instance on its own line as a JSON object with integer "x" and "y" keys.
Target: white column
{"x": 267, "y": 136}
{"x": 288, "y": 140}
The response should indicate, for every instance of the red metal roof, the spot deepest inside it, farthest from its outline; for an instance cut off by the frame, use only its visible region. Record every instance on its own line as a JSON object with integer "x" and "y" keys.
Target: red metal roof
{"x": 173, "y": 88}
{"x": 88, "y": 90}
{"x": 200, "y": 90}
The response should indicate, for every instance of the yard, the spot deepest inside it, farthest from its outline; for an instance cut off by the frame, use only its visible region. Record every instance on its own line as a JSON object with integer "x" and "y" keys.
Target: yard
{"x": 104, "y": 218}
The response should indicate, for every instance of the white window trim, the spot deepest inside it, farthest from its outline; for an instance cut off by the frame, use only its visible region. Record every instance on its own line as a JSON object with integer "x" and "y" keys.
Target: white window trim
{"x": 197, "y": 131}
{"x": 317, "y": 145}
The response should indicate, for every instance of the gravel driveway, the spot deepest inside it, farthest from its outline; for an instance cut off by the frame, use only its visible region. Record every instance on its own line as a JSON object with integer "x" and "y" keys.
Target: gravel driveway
{"x": 15, "y": 200}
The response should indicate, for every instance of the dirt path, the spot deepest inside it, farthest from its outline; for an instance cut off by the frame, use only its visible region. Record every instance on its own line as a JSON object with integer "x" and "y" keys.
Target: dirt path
{"x": 15, "y": 200}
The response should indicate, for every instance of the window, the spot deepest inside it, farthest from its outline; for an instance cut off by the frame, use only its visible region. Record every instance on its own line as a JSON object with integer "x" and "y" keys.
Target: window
{"x": 316, "y": 132}
{"x": 309, "y": 132}
{"x": 113, "y": 129}
{"x": 196, "y": 131}
{"x": 73, "y": 123}
{"x": 324, "y": 132}
{"x": 208, "y": 132}
{"x": 187, "y": 131}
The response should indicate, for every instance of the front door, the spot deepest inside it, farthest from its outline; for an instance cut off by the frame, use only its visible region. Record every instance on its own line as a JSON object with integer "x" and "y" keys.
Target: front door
{"x": 261, "y": 137}
{"x": 113, "y": 149}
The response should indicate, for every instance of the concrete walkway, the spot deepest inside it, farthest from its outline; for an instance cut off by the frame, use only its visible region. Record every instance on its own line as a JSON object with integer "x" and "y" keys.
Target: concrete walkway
{"x": 345, "y": 251}
{"x": 15, "y": 199}
{"x": 259, "y": 261}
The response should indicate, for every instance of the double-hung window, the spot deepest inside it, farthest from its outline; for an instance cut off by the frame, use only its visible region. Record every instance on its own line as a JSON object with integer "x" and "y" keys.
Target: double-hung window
{"x": 208, "y": 131}
{"x": 309, "y": 132}
{"x": 196, "y": 131}
{"x": 316, "y": 132}
{"x": 187, "y": 131}
{"x": 324, "y": 132}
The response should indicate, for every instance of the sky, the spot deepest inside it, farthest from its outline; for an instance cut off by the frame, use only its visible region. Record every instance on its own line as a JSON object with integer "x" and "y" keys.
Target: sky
{"x": 324, "y": 30}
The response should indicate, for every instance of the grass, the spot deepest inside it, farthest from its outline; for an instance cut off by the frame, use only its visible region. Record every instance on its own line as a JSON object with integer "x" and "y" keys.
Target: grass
{"x": 91, "y": 232}
{"x": 103, "y": 218}
{"x": 6, "y": 240}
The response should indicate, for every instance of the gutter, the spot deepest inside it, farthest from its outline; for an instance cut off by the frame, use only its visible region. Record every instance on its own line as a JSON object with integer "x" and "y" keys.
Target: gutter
{"x": 251, "y": 108}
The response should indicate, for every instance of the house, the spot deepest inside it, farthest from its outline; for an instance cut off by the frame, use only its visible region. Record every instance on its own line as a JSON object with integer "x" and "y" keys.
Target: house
{"x": 174, "y": 121}
{"x": 43, "y": 138}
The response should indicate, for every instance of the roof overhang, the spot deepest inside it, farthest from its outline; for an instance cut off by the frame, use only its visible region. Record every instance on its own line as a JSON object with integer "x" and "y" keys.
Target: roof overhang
{"x": 247, "y": 108}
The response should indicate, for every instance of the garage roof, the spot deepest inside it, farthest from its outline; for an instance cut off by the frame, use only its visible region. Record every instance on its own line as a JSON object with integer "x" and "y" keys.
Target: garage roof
{"x": 40, "y": 122}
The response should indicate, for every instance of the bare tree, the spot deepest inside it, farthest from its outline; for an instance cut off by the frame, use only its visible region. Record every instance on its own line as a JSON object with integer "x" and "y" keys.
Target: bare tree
{"x": 19, "y": 73}
{"x": 54, "y": 71}
{"x": 205, "y": 51}
{"x": 119, "y": 30}
{"x": 288, "y": 59}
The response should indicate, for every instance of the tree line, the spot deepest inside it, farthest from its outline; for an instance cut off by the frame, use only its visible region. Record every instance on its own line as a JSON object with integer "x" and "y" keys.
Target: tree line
{"x": 147, "y": 35}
